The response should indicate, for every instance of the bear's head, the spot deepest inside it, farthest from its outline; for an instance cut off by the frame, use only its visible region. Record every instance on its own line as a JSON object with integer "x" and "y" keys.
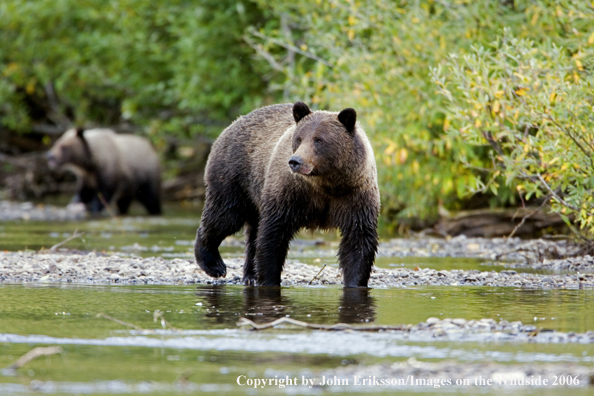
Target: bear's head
{"x": 326, "y": 144}
{"x": 72, "y": 149}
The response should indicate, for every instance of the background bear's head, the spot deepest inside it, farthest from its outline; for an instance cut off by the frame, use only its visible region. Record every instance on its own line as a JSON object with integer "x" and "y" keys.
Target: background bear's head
{"x": 71, "y": 149}
{"x": 326, "y": 144}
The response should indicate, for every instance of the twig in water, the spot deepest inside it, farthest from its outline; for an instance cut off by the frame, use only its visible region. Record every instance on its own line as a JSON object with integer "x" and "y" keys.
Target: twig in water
{"x": 318, "y": 274}
{"x": 106, "y": 205}
{"x": 102, "y": 315}
{"x": 159, "y": 315}
{"x": 336, "y": 327}
{"x": 33, "y": 354}
{"x": 65, "y": 241}
{"x": 184, "y": 376}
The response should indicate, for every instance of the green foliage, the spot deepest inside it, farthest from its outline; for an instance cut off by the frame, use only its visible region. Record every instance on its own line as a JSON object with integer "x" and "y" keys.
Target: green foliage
{"x": 533, "y": 104}
{"x": 171, "y": 67}
{"x": 376, "y": 56}
{"x": 184, "y": 67}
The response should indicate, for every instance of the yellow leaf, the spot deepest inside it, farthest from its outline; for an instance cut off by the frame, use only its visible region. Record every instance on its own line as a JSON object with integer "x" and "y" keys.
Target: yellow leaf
{"x": 351, "y": 34}
{"x": 552, "y": 97}
{"x": 415, "y": 166}
{"x": 477, "y": 123}
{"x": 521, "y": 91}
{"x": 446, "y": 124}
{"x": 496, "y": 107}
{"x": 10, "y": 68}
{"x": 402, "y": 155}
{"x": 576, "y": 78}
{"x": 390, "y": 149}
{"x": 30, "y": 88}
{"x": 416, "y": 20}
{"x": 534, "y": 19}
{"x": 499, "y": 94}
{"x": 579, "y": 65}
{"x": 352, "y": 20}
{"x": 591, "y": 39}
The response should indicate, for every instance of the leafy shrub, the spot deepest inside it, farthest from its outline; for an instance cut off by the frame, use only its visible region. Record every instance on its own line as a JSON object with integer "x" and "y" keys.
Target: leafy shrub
{"x": 533, "y": 104}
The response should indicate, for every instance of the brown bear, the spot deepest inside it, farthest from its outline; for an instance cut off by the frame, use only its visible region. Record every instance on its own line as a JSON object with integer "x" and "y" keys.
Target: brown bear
{"x": 282, "y": 168}
{"x": 110, "y": 168}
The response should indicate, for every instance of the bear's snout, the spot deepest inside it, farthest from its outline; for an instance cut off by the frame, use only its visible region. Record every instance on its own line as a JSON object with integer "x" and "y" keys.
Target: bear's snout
{"x": 298, "y": 165}
{"x": 52, "y": 161}
{"x": 295, "y": 163}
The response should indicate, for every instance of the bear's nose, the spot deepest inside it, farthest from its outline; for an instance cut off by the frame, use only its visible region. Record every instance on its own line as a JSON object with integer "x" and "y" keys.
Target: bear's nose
{"x": 295, "y": 163}
{"x": 51, "y": 160}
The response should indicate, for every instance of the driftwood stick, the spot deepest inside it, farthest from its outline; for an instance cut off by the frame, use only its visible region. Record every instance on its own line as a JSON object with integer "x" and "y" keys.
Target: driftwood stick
{"x": 335, "y": 327}
{"x": 159, "y": 315}
{"x": 33, "y": 354}
{"x": 106, "y": 205}
{"x": 65, "y": 241}
{"x": 318, "y": 274}
{"x": 102, "y": 315}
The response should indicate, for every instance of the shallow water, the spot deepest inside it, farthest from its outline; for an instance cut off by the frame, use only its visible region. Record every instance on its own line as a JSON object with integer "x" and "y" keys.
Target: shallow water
{"x": 207, "y": 356}
{"x": 101, "y": 356}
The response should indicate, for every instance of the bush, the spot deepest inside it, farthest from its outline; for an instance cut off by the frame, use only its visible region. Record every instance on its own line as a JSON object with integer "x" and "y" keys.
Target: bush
{"x": 169, "y": 67}
{"x": 533, "y": 104}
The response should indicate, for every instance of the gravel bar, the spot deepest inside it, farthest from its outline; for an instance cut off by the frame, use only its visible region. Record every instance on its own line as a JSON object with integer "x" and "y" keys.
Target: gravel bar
{"x": 17, "y": 267}
{"x": 10, "y": 211}
{"x": 508, "y": 249}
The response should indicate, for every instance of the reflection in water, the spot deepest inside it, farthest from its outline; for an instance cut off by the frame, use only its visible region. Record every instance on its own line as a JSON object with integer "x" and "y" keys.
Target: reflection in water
{"x": 356, "y": 305}
{"x": 265, "y": 304}
{"x": 222, "y": 305}
{"x": 218, "y": 305}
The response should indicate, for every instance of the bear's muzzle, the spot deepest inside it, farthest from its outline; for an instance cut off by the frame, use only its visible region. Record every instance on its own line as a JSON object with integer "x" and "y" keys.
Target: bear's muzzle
{"x": 299, "y": 166}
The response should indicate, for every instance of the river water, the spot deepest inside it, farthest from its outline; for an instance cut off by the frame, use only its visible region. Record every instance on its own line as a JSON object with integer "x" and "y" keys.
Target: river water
{"x": 208, "y": 353}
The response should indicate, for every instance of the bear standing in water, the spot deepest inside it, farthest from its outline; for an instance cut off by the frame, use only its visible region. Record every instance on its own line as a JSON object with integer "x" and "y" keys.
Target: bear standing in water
{"x": 282, "y": 168}
{"x": 119, "y": 167}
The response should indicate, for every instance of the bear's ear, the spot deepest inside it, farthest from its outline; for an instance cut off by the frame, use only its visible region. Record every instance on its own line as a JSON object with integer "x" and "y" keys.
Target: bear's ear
{"x": 79, "y": 132}
{"x": 300, "y": 110}
{"x": 348, "y": 118}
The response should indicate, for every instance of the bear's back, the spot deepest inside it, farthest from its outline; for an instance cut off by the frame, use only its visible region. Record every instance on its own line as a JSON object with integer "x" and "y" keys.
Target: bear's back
{"x": 244, "y": 149}
{"x": 139, "y": 156}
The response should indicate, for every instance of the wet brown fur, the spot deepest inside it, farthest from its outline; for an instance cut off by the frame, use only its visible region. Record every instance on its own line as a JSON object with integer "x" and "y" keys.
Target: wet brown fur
{"x": 249, "y": 182}
{"x": 119, "y": 167}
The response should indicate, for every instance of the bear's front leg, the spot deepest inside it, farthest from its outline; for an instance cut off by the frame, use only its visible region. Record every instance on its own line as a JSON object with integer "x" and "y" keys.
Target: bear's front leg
{"x": 359, "y": 244}
{"x": 278, "y": 225}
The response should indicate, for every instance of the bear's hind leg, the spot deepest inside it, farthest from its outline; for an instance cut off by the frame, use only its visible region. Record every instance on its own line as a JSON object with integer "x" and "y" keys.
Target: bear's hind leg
{"x": 218, "y": 221}
{"x": 249, "y": 273}
{"x": 124, "y": 204}
{"x": 149, "y": 196}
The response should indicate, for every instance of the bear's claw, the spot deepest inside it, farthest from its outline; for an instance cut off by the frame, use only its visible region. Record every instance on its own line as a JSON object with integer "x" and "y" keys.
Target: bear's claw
{"x": 249, "y": 280}
{"x": 219, "y": 270}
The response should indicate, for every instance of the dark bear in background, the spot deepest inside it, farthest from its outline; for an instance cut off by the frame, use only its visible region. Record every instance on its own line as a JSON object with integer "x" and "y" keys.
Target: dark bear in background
{"x": 282, "y": 168}
{"x": 119, "y": 167}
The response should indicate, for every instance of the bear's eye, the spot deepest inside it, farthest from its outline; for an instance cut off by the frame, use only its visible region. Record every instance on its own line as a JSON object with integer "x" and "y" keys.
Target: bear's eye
{"x": 318, "y": 140}
{"x": 298, "y": 140}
